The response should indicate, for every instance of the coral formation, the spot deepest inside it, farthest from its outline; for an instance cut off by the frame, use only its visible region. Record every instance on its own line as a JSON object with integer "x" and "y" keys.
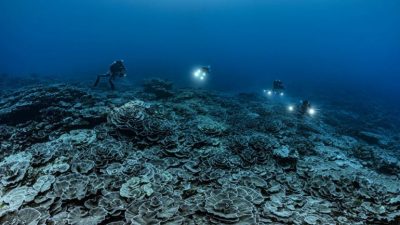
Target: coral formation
{"x": 13, "y": 168}
{"x": 70, "y": 155}
{"x": 233, "y": 205}
{"x": 159, "y": 88}
{"x": 142, "y": 121}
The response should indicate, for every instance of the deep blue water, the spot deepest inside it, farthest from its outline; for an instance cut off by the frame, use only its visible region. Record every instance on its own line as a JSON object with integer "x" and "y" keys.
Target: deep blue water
{"x": 310, "y": 44}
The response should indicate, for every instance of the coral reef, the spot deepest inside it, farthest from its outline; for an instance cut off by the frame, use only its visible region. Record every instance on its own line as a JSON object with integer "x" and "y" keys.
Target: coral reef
{"x": 159, "y": 88}
{"x": 71, "y": 155}
{"x": 141, "y": 121}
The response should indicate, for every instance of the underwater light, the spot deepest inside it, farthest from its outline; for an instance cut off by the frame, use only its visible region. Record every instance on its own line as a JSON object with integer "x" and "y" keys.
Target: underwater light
{"x": 200, "y": 74}
{"x": 269, "y": 92}
{"x": 281, "y": 94}
{"x": 311, "y": 111}
{"x": 197, "y": 73}
{"x": 291, "y": 108}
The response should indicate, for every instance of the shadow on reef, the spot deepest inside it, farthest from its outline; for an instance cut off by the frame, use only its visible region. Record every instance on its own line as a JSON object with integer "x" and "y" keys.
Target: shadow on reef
{"x": 159, "y": 155}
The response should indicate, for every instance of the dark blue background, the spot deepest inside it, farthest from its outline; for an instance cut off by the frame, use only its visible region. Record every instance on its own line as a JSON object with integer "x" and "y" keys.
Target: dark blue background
{"x": 310, "y": 44}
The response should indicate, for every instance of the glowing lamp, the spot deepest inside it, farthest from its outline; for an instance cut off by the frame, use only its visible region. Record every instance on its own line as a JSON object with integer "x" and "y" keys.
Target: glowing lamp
{"x": 311, "y": 111}
{"x": 199, "y": 74}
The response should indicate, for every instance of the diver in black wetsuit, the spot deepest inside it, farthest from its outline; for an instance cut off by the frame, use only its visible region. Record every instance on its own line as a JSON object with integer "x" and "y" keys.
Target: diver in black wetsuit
{"x": 278, "y": 87}
{"x": 206, "y": 69}
{"x": 305, "y": 107}
{"x": 117, "y": 69}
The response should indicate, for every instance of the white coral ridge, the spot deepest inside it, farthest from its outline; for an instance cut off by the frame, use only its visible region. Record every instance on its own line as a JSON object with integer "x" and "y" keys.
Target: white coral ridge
{"x": 79, "y": 137}
{"x": 14, "y": 167}
{"x": 44, "y": 183}
{"x": 14, "y": 199}
{"x": 283, "y": 152}
{"x": 136, "y": 188}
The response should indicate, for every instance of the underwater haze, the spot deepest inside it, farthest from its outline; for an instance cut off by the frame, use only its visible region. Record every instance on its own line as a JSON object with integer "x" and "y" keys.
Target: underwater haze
{"x": 186, "y": 112}
{"x": 248, "y": 43}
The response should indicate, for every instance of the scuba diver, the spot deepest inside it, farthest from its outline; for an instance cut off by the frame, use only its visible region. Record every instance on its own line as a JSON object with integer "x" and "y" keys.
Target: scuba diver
{"x": 205, "y": 69}
{"x": 305, "y": 107}
{"x": 117, "y": 69}
{"x": 202, "y": 72}
{"x": 278, "y": 87}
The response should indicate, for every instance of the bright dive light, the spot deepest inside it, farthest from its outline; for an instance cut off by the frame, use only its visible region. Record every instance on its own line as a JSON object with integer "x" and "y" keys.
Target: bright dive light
{"x": 281, "y": 94}
{"x": 311, "y": 111}
{"x": 199, "y": 74}
{"x": 269, "y": 92}
{"x": 291, "y": 108}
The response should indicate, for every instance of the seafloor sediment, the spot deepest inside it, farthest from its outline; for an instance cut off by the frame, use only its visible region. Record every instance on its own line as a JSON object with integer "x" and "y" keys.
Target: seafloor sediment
{"x": 72, "y": 155}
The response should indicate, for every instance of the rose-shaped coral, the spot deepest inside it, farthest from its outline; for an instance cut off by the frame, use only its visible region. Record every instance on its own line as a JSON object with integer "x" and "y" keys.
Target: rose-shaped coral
{"x": 233, "y": 205}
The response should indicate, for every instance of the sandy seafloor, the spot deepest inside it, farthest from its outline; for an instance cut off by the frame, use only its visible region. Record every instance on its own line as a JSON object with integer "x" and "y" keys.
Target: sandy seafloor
{"x": 155, "y": 155}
